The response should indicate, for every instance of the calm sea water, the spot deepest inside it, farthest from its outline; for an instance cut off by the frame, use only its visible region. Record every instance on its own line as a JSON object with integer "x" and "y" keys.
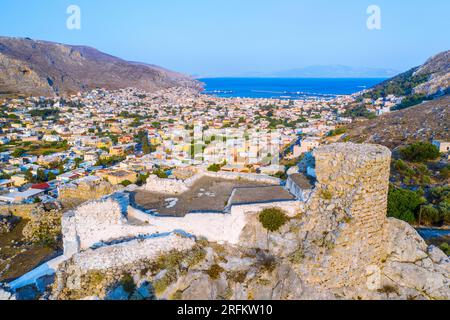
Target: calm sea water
{"x": 285, "y": 88}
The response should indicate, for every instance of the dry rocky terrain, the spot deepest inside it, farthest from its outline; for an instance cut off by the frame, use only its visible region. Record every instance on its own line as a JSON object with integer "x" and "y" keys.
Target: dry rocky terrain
{"x": 424, "y": 122}
{"x": 41, "y": 68}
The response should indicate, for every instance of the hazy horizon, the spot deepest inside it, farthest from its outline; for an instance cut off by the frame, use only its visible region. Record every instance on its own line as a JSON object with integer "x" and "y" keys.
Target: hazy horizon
{"x": 235, "y": 39}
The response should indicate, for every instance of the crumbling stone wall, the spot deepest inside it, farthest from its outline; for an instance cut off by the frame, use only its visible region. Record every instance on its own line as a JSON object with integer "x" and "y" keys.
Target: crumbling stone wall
{"x": 74, "y": 195}
{"x": 19, "y": 210}
{"x": 347, "y": 213}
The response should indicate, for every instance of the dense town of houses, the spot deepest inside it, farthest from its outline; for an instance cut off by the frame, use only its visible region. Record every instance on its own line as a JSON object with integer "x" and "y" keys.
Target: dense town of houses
{"x": 123, "y": 136}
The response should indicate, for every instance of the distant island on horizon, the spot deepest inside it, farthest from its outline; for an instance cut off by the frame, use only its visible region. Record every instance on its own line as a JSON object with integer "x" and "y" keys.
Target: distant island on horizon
{"x": 317, "y": 71}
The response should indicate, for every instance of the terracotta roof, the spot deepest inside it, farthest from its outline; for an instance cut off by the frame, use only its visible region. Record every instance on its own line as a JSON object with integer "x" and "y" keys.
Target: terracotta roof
{"x": 40, "y": 186}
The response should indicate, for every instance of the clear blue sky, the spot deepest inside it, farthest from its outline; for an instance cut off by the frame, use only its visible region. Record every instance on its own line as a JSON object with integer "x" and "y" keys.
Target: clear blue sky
{"x": 212, "y": 37}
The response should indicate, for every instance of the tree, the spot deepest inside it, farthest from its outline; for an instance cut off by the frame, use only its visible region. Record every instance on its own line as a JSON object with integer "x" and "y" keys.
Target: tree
{"x": 18, "y": 153}
{"x": 29, "y": 175}
{"x": 51, "y": 176}
{"x": 404, "y": 204}
{"x": 41, "y": 176}
{"x": 143, "y": 140}
{"x": 429, "y": 215}
{"x": 420, "y": 152}
{"x": 445, "y": 172}
{"x": 78, "y": 161}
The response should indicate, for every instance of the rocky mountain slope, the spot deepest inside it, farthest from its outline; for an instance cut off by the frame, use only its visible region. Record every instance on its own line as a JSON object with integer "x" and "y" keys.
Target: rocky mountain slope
{"x": 426, "y": 121}
{"x": 32, "y": 67}
{"x": 431, "y": 78}
{"x": 438, "y": 67}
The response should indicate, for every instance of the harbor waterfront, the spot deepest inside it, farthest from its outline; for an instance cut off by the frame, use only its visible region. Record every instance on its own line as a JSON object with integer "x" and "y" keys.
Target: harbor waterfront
{"x": 286, "y": 88}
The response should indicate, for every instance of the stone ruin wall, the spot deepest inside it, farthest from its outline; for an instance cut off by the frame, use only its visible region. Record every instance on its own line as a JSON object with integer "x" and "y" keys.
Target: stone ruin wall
{"x": 351, "y": 196}
{"x": 19, "y": 210}
{"x": 74, "y": 195}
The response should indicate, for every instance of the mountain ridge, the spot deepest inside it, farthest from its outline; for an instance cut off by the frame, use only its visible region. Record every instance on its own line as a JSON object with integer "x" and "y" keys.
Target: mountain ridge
{"x": 37, "y": 67}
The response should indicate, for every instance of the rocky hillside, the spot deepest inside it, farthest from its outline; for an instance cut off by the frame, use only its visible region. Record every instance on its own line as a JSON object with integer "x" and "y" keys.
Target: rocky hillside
{"x": 430, "y": 79}
{"x": 429, "y": 120}
{"x": 32, "y": 67}
{"x": 438, "y": 69}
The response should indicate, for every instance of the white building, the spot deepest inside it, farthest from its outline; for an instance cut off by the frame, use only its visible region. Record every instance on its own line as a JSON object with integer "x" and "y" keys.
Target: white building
{"x": 51, "y": 138}
{"x": 18, "y": 197}
{"x": 443, "y": 146}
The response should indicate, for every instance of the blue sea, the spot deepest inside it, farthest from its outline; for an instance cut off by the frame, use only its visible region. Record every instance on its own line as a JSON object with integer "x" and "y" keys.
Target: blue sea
{"x": 286, "y": 88}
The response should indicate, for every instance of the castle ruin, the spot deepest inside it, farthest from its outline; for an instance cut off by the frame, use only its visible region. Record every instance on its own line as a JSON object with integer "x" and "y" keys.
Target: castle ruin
{"x": 337, "y": 224}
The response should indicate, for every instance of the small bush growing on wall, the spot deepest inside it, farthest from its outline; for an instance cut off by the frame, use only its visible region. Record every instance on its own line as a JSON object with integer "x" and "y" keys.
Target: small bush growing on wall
{"x": 273, "y": 219}
{"x": 128, "y": 284}
{"x": 215, "y": 271}
{"x": 326, "y": 195}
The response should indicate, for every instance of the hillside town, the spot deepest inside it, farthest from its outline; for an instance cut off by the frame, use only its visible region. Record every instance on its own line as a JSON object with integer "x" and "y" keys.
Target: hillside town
{"x": 123, "y": 136}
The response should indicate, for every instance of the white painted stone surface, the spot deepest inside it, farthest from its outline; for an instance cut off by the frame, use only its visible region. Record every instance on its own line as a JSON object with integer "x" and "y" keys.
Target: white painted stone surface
{"x": 118, "y": 255}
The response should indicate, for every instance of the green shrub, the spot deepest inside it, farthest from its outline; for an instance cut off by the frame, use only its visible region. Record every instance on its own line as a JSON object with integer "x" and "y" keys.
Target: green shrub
{"x": 281, "y": 175}
{"x": 388, "y": 289}
{"x": 195, "y": 256}
{"x": 267, "y": 263}
{"x": 445, "y": 172}
{"x": 429, "y": 215}
{"x": 445, "y": 247}
{"x": 162, "y": 284}
{"x": 404, "y": 204}
{"x": 127, "y": 283}
{"x": 160, "y": 174}
{"x": 444, "y": 211}
{"x": 215, "y": 271}
{"x": 273, "y": 219}
{"x": 178, "y": 295}
{"x": 142, "y": 179}
{"x": 171, "y": 260}
{"x": 214, "y": 167}
{"x": 297, "y": 257}
{"x": 440, "y": 194}
{"x": 400, "y": 165}
{"x": 419, "y": 152}
{"x": 237, "y": 276}
{"x": 326, "y": 195}
{"x": 337, "y": 132}
{"x": 126, "y": 183}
